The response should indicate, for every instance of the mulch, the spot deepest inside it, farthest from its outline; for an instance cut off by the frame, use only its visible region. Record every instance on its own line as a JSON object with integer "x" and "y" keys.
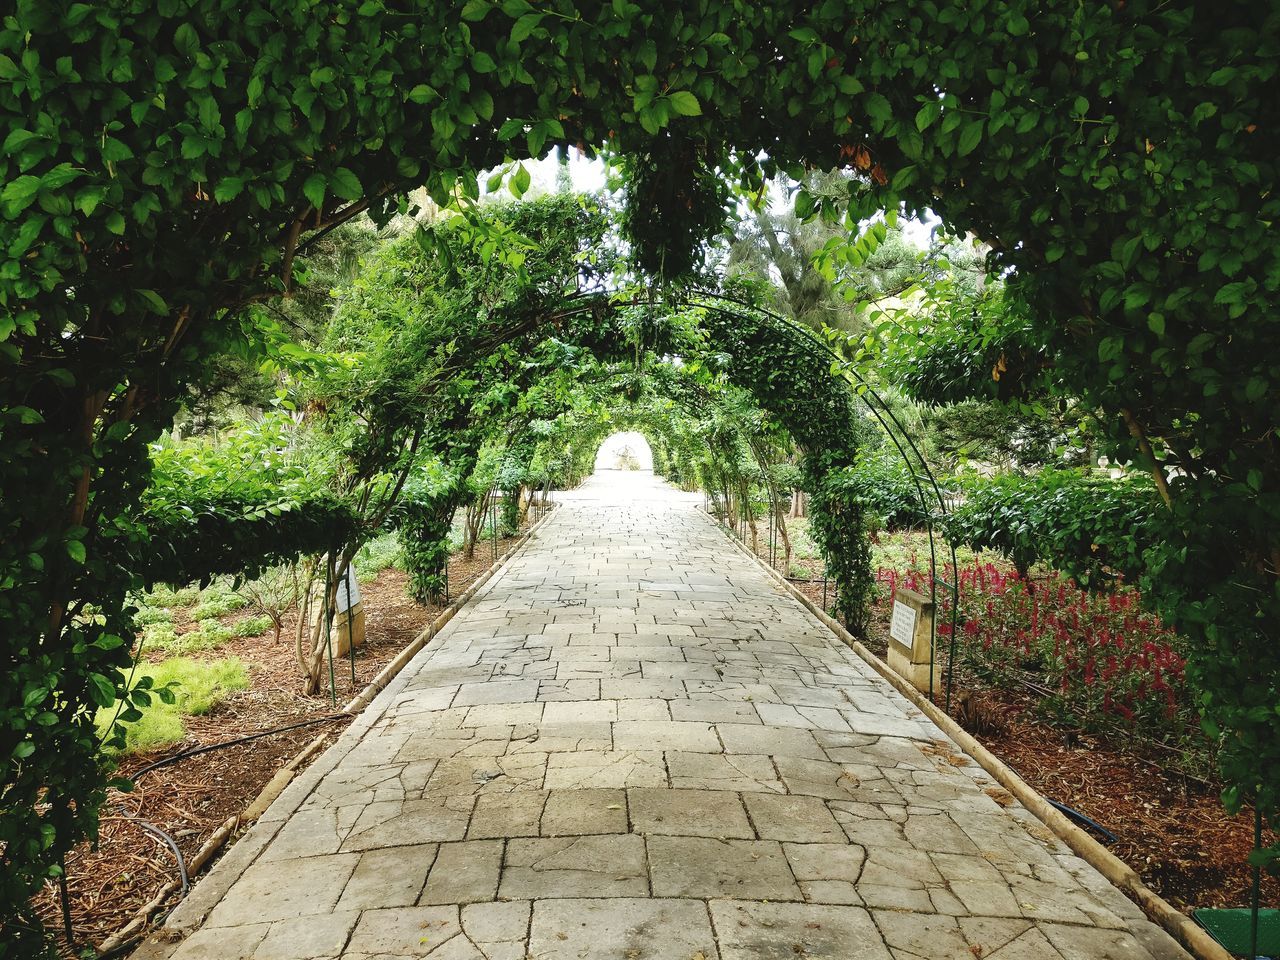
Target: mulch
{"x": 110, "y": 882}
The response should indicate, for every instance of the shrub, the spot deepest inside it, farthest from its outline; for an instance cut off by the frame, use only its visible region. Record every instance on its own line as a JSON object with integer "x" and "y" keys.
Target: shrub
{"x": 1098, "y": 659}
{"x": 165, "y": 596}
{"x": 147, "y": 616}
{"x": 1090, "y": 528}
{"x": 252, "y": 626}
{"x": 217, "y": 602}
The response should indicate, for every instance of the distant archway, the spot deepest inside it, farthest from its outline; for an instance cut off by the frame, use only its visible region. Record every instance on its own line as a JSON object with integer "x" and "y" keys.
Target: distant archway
{"x": 625, "y": 450}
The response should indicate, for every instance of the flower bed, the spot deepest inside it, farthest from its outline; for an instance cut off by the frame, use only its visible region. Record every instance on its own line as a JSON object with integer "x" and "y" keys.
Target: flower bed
{"x": 1098, "y": 659}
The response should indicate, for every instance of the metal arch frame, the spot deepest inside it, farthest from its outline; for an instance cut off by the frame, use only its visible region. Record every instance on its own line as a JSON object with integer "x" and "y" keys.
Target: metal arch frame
{"x": 918, "y": 468}
{"x": 920, "y": 475}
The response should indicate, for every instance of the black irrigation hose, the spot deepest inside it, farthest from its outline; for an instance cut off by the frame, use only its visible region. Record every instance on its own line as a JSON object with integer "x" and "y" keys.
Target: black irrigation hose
{"x": 1084, "y": 821}
{"x": 172, "y": 844}
{"x": 195, "y": 751}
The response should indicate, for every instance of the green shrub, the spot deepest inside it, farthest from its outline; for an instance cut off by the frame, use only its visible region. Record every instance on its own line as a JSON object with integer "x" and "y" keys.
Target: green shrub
{"x": 198, "y": 686}
{"x": 1090, "y": 528}
{"x": 163, "y": 596}
{"x": 889, "y": 493}
{"x": 146, "y": 616}
{"x": 207, "y": 635}
{"x": 216, "y": 602}
{"x": 252, "y": 626}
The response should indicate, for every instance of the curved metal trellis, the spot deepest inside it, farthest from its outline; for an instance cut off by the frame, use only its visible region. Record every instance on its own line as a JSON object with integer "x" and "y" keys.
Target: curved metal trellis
{"x": 921, "y": 475}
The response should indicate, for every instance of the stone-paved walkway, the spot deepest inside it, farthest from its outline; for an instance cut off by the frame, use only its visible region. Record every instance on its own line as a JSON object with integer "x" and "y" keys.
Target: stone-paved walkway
{"x": 632, "y": 745}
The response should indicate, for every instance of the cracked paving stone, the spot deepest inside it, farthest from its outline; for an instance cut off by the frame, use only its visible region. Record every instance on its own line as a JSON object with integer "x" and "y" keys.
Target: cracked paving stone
{"x": 621, "y": 929}
{"x": 773, "y": 931}
{"x": 704, "y": 868}
{"x": 599, "y": 768}
{"x": 586, "y": 866}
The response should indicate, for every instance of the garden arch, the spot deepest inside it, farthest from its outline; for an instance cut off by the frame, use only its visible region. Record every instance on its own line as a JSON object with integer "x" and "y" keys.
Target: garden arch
{"x": 164, "y": 165}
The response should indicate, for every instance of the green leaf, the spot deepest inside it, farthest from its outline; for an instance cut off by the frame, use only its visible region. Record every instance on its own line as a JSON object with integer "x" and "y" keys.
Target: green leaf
{"x": 685, "y": 103}
{"x": 313, "y": 189}
{"x": 525, "y": 26}
{"x": 101, "y": 690}
{"x": 345, "y": 184}
{"x": 154, "y": 301}
{"x": 927, "y": 114}
{"x": 476, "y": 10}
{"x": 186, "y": 40}
{"x": 878, "y": 108}
{"x": 520, "y": 181}
{"x": 76, "y": 551}
{"x": 970, "y": 137}
{"x": 19, "y": 193}
{"x": 422, "y": 93}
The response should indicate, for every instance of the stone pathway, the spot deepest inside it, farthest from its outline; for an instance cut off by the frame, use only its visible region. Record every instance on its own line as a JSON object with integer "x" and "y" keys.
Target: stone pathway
{"x": 631, "y": 745}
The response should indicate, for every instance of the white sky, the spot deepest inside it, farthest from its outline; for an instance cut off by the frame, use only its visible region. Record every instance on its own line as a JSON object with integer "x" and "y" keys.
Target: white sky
{"x": 629, "y": 441}
{"x": 588, "y": 176}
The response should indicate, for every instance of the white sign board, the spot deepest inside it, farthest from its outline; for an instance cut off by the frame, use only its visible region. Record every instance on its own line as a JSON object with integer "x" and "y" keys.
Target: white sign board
{"x": 902, "y": 626}
{"x": 348, "y": 591}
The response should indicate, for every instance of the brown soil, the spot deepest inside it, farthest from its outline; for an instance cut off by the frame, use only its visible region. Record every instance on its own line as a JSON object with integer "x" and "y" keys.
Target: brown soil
{"x": 189, "y": 800}
{"x": 1170, "y": 827}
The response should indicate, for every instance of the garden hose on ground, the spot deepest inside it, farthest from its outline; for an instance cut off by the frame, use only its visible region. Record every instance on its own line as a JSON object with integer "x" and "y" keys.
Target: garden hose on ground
{"x": 1084, "y": 821}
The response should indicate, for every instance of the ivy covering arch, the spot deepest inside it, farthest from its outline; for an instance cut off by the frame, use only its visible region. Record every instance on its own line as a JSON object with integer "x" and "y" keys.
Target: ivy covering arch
{"x": 165, "y": 164}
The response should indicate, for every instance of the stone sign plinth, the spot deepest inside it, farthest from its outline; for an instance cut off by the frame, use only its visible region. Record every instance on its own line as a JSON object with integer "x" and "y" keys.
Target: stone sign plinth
{"x": 348, "y": 621}
{"x": 911, "y": 637}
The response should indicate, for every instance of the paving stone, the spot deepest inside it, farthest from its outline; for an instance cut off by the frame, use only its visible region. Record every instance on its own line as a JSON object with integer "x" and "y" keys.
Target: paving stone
{"x": 587, "y": 866}
{"x": 920, "y": 934}
{"x": 688, "y": 813}
{"x": 464, "y": 872}
{"x": 581, "y": 711}
{"x": 578, "y": 812}
{"x": 704, "y": 771}
{"x": 223, "y": 943}
{"x": 282, "y": 889}
{"x": 598, "y": 768}
{"x": 769, "y": 741}
{"x": 650, "y": 929}
{"x": 392, "y": 877}
{"x": 826, "y": 872}
{"x": 802, "y": 819}
{"x": 665, "y": 735}
{"x": 515, "y": 814}
{"x": 705, "y": 868}
{"x": 414, "y": 821}
{"x": 772, "y": 931}
{"x": 500, "y": 930}
{"x": 305, "y": 938}
{"x": 406, "y": 932}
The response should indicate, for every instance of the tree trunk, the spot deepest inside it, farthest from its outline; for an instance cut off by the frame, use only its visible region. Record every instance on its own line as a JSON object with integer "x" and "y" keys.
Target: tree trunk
{"x": 786, "y": 545}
